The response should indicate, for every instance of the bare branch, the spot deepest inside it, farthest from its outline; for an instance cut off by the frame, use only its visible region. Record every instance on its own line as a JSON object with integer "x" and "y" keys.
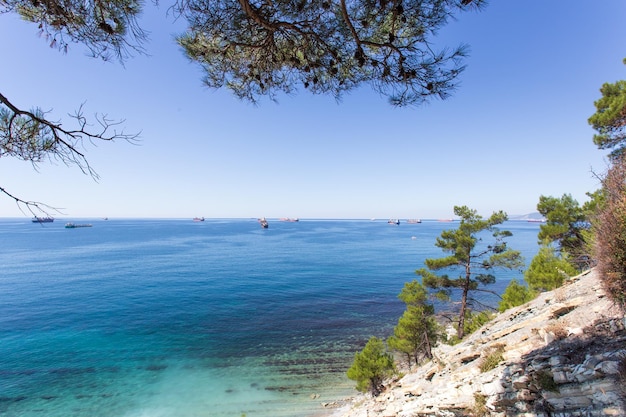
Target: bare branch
{"x": 35, "y": 208}
{"x": 30, "y": 136}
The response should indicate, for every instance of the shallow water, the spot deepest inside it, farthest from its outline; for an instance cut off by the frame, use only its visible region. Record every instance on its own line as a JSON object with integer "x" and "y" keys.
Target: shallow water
{"x": 177, "y": 318}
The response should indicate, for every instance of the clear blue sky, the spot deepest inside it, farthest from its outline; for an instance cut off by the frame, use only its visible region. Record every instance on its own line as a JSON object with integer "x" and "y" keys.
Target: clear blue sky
{"x": 515, "y": 129}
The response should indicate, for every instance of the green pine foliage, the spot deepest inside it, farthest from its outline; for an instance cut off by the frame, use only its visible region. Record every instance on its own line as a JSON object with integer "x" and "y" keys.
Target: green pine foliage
{"x": 417, "y": 331}
{"x": 109, "y": 29}
{"x": 371, "y": 366}
{"x": 609, "y": 120}
{"x": 515, "y": 295}
{"x": 566, "y": 226}
{"x": 475, "y": 320}
{"x": 398, "y": 342}
{"x": 266, "y": 48}
{"x": 414, "y": 293}
{"x": 547, "y": 270}
{"x": 469, "y": 255}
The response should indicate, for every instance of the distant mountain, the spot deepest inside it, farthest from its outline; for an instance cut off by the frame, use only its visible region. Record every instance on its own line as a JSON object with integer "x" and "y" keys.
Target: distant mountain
{"x": 529, "y": 216}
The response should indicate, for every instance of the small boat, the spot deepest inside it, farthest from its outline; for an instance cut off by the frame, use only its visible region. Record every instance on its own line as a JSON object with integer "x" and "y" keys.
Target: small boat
{"x": 42, "y": 219}
{"x": 74, "y": 225}
{"x": 198, "y": 219}
{"x": 394, "y": 221}
{"x": 264, "y": 224}
{"x": 413, "y": 221}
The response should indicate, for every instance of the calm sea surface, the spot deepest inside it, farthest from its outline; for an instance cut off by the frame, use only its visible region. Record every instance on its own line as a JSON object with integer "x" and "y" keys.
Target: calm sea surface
{"x": 174, "y": 318}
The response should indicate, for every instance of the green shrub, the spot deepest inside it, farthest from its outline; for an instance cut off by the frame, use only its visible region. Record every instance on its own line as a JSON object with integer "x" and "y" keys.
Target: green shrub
{"x": 545, "y": 381}
{"x": 474, "y": 321}
{"x": 371, "y": 366}
{"x": 515, "y": 295}
{"x": 565, "y": 226}
{"x": 547, "y": 271}
{"x": 417, "y": 331}
{"x": 452, "y": 340}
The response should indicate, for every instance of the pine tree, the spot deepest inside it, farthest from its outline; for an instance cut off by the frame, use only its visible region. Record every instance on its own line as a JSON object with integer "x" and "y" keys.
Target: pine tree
{"x": 566, "y": 226}
{"x": 371, "y": 366}
{"x": 515, "y": 295}
{"x": 417, "y": 331}
{"x": 547, "y": 270}
{"x": 609, "y": 120}
{"x": 468, "y": 255}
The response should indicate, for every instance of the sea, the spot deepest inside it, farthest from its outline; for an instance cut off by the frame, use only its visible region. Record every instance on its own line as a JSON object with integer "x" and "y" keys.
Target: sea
{"x": 219, "y": 318}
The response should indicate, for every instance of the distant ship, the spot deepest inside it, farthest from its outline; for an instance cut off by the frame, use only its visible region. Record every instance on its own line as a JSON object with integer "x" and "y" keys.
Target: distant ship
{"x": 264, "y": 224}
{"x": 289, "y": 219}
{"x": 394, "y": 221}
{"x": 198, "y": 219}
{"x": 413, "y": 221}
{"x": 74, "y": 225}
{"x": 42, "y": 219}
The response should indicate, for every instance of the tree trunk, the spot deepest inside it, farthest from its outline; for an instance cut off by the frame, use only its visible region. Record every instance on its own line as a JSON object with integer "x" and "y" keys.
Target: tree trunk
{"x": 460, "y": 332}
{"x": 428, "y": 347}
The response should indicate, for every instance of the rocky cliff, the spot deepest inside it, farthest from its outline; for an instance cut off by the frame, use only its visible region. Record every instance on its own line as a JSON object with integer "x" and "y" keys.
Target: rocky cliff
{"x": 562, "y": 354}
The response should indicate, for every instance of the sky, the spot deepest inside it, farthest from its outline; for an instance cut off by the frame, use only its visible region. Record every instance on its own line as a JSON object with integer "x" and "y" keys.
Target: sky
{"x": 515, "y": 129}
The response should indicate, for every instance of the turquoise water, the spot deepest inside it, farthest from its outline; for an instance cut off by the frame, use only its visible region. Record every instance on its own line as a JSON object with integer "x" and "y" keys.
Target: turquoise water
{"x": 174, "y": 318}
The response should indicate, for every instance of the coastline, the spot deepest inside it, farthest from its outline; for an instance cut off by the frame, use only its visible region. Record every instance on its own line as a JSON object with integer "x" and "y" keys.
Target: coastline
{"x": 339, "y": 408}
{"x": 574, "y": 334}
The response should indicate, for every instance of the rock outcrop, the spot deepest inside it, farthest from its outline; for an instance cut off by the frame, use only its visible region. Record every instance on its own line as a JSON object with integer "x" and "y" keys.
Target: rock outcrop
{"x": 562, "y": 354}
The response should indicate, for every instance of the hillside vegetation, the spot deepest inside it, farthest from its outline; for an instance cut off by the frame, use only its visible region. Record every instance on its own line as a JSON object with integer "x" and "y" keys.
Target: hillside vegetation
{"x": 563, "y": 353}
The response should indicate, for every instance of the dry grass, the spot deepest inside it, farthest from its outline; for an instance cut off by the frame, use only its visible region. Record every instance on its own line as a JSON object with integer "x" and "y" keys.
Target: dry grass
{"x": 480, "y": 406}
{"x": 558, "y": 329}
{"x": 560, "y": 295}
{"x": 493, "y": 358}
